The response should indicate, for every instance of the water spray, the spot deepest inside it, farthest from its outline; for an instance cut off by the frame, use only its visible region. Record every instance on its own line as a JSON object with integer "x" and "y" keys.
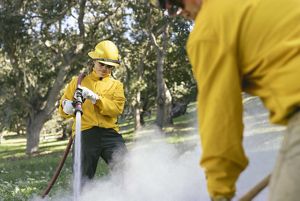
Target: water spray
{"x": 77, "y": 157}
{"x": 77, "y": 178}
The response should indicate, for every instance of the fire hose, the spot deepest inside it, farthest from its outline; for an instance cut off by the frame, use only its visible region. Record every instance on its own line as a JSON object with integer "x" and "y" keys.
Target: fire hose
{"x": 78, "y": 108}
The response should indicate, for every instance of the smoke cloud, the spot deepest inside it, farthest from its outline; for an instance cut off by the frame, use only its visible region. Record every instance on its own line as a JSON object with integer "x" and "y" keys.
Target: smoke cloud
{"x": 155, "y": 170}
{"x": 152, "y": 170}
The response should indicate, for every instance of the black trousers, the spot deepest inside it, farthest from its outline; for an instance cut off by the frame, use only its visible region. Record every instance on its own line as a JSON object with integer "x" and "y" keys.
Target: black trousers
{"x": 100, "y": 142}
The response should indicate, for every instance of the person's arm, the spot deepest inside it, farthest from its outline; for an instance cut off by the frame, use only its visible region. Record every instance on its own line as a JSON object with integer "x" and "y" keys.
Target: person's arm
{"x": 68, "y": 95}
{"x": 113, "y": 105}
{"x": 220, "y": 113}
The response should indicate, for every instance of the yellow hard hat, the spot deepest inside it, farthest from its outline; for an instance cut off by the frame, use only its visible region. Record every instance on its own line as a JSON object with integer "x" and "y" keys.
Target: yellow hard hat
{"x": 106, "y": 52}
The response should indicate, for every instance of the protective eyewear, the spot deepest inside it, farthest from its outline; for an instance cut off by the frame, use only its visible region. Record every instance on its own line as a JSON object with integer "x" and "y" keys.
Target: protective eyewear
{"x": 106, "y": 65}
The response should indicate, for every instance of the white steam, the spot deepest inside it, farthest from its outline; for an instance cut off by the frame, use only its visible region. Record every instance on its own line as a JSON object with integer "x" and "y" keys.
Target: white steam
{"x": 152, "y": 170}
{"x": 155, "y": 170}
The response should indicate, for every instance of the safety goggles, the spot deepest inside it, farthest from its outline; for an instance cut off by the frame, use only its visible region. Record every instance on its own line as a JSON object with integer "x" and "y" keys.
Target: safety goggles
{"x": 109, "y": 67}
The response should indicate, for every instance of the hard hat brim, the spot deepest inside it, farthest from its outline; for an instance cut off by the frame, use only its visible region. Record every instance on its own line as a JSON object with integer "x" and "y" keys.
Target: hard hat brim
{"x": 109, "y": 63}
{"x": 95, "y": 55}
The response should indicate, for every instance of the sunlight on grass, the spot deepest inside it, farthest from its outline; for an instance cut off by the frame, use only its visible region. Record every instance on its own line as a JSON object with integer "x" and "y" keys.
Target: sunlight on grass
{"x": 15, "y": 142}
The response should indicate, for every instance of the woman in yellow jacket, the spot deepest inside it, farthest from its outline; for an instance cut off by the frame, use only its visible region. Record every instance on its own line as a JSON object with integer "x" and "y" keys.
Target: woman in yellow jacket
{"x": 104, "y": 102}
{"x": 251, "y": 46}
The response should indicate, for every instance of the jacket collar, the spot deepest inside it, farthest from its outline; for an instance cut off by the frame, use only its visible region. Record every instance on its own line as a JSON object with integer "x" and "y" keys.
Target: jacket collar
{"x": 95, "y": 77}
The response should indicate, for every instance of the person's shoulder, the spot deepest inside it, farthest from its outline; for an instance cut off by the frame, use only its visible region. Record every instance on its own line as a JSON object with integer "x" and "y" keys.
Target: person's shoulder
{"x": 73, "y": 79}
{"x": 112, "y": 79}
{"x": 214, "y": 15}
{"x": 216, "y": 11}
{"x": 221, "y": 4}
{"x": 213, "y": 9}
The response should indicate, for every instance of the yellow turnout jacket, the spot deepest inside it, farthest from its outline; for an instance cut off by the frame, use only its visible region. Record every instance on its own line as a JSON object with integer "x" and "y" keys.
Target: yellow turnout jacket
{"x": 106, "y": 110}
{"x": 235, "y": 46}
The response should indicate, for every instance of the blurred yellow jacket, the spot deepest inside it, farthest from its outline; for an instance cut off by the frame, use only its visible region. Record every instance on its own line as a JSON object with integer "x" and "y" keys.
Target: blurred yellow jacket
{"x": 105, "y": 112}
{"x": 235, "y": 46}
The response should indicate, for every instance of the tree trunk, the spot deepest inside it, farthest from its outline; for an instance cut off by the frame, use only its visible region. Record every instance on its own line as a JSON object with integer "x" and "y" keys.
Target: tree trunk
{"x": 138, "y": 105}
{"x": 168, "y": 107}
{"x": 137, "y": 111}
{"x": 164, "y": 98}
{"x": 37, "y": 120}
{"x": 164, "y": 106}
{"x": 33, "y": 129}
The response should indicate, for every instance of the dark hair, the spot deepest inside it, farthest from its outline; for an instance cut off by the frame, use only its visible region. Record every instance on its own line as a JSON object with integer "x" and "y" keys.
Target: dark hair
{"x": 90, "y": 66}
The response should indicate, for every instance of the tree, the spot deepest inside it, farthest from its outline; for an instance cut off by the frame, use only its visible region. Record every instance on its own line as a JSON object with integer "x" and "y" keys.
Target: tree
{"x": 164, "y": 97}
{"x": 138, "y": 58}
{"x": 45, "y": 43}
{"x": 59, "y": 34}
{"x": 155, "y": 58}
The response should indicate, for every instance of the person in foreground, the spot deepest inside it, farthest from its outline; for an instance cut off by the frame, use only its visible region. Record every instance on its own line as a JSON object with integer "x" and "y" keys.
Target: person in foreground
{"x": 103, "y": 102}
{"x": 251, "y": 46}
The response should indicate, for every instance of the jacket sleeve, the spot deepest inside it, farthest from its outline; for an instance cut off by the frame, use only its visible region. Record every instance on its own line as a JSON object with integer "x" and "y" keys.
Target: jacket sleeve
{"x": 68, "y": 94}
{"x": 220, "y": 113}
{"x": 112, "y": 105}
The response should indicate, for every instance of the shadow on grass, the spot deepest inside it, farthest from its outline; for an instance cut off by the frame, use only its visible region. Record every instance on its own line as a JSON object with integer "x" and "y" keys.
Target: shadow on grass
{"x": 11, "y": 151}
{"x": 14, "y": 137}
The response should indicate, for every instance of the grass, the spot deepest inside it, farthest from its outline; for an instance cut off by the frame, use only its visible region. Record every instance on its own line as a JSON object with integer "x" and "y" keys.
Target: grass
{"x": 22, "y": 176}
{"x": 26, "y": 176}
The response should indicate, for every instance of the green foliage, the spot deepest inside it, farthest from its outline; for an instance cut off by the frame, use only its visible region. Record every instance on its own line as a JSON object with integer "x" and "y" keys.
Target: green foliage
{"x": 45, "y": 43}
{"x": 13, "y": 23}
{"x": 141, "y": 56}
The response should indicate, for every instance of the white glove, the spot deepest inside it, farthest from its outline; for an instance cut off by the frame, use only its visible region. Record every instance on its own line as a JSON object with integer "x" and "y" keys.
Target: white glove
{"x": 89, "y": 94}
{"x": 68, "y": 107}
